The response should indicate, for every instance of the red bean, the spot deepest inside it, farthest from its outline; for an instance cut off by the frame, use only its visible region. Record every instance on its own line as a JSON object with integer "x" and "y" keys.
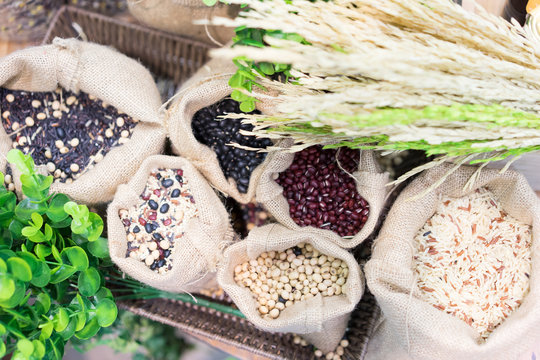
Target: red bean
{"x": 321, "y": 194}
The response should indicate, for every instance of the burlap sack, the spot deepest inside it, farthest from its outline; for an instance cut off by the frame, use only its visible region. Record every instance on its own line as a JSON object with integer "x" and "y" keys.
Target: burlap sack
{"x": 177, "y": 16}
{"x": 414, "y": 329}
{"x": 108, "y": 75}
{"x": 321, "y": 320}
{"x": 371, "y": 185}
{"x": 206, "y": 87}
{"x": 196, "y": 255}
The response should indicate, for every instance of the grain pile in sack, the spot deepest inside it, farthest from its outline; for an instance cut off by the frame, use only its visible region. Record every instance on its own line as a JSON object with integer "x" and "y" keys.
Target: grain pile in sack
{"x": 355, "y": 172}
{"x": 478, "y": 319}
{"x": 320, "y": 319}
{"x": 80, "y": 76}
{"x": 199, "y": 102}
{"x": 177, "y": 16}
{"x": 173, "y": 218}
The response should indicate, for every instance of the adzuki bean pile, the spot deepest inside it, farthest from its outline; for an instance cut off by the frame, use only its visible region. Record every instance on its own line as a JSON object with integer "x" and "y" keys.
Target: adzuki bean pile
{"x": 218, "y": 133}
{"x": 154, "y": 225}
{"x": 67, "y": 132}
{"x": 321, "y": 194}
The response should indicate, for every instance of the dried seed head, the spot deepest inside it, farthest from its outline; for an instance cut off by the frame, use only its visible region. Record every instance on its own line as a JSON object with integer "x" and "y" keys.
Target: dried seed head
{"x": 36, "y": 103}
{"x": 29, "y": 121}
{"x": 59, "y": 144}
{"x": 15, "y": 126}
{"x": 74, "y": 142}
{"x": 41, "y": 116}
{"x": 10, "y": 97}
{"x": 109, "y": 133}
{"x": 6, "y": 114}
{"x": 51, "y": 167}
{"x": 120, "y": 122}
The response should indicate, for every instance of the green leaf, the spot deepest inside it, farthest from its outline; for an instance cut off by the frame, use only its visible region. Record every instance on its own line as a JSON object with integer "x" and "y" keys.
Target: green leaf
{"x": 37, "y": 220}
{"x": 31, "y": 260}
{"x": 210, "y": 2}
{"x": 104, "y": 293}
{"x": 61, "y": 224}
{"x": 43, "y": 302}
{"x": 56, "y": 210}
{"x": 89, "y": 330}
{"x": 20, "y": 269}
{"x": 15, "y": 227}
{"x": 56, "y": 254}
{"x": 236, "y": 81}
{"x": 24, "y": 163}
{"x": 46, "y": 330}
{"x": 267, "y": 68}
{"x": 89, "y": 282}
{"x": 70, "y": 329}
{"x": 3, "y": 266}
{"x": 2, "y": 329}
{"x": 76, "y": 256}
{"x": 247, "y": 106}
{"x": 2, "y": 349}
{"x": 61, "y": 319}
{"x": 27, "y": 207}
{"x": 62, "y": 273}
{"x": 29, "y": 231}
{"x": 99, "y": 248}
{"x": 94, "y": 231}
{"x": 42, "y": 276}
{"x": 106, "y": 312}
{"x": 48, "y": 232}
{"x": 7, "y": 287}
{"x": 39, "y": 349}
{"x": 42, "y": 251}
{"x": 16, "y": 297}
{"x": 26, "y": 347}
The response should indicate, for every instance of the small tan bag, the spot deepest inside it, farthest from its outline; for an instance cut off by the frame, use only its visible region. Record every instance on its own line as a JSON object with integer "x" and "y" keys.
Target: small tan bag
{"x": 322, "y": 321}
{"x": 371, "y": 185}
{"x": 177, "y": 16}
{"x": 413, "y": 329}
{"x": 206, "y": 87}
{"x": 110, "y": 76}
{"x": 196, "y": 256}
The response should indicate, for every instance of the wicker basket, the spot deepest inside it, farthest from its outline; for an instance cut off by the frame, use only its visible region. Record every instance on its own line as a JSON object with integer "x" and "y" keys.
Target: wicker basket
{"x": 176, "y": 58}
{"x": 166, "y": 55}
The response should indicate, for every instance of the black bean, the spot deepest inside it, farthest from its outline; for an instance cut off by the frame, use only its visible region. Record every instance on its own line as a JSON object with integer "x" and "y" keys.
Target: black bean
{"x": 157, "y": 236}
{"x": 136, "y": 229}
{"x": 148, "y": 227}
{"x": 217, "y": 134}
{"x": 154, "y": 265}
{"x": 164, "y": 208}
{"x": 161, "y": 263}
{"x": 152, "y": 204}
{"x": 167, "y": 253}
{"x": 167, "y": 183}
{"x": 175, "y": 193}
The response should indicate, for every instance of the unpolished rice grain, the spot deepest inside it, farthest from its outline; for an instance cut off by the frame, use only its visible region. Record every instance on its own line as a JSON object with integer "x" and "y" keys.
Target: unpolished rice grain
{"x": 473, "y": 260}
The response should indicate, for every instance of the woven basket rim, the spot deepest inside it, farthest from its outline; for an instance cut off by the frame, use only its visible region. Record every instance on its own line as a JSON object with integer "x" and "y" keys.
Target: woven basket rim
{"x": 132, "y": 26}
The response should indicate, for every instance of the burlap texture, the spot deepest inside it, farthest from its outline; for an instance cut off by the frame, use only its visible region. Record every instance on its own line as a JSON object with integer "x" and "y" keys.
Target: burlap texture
{"x": 196, "y": 255}
{"x": 108, "y": 75}
{"x": 206, "y": 87}
{"x": 371, "y": 185}
{"x": 414, "y": 329}
{"x": 321, "y": 320}
{"x": 177, "y": 16}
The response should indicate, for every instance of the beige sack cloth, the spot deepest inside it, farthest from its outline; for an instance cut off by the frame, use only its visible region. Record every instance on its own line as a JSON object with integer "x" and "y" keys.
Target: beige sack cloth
{"x": 208, "y": 86}
{"x": 320, "y": 320}
{"x": 196, "y": 255}
{"x": 414, "y": 329}
{"x": 110, "y": 76}
{"x": 371, "y": 185}
{"x": 177, "y": 16}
